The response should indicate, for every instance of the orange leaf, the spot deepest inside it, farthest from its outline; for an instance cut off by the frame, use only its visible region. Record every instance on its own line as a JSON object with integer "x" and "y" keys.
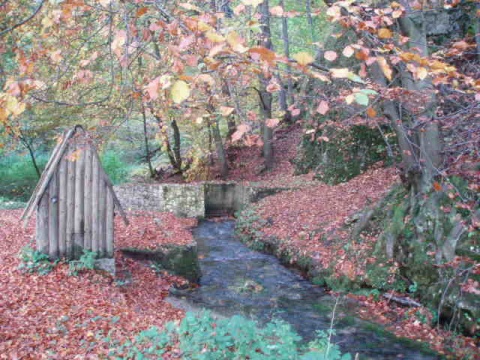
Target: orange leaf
{"x": 437, "y": 186}
{"x": 371, "y": 112}
{"x": 262, "y": 53}
{"x": 384, "y": 33}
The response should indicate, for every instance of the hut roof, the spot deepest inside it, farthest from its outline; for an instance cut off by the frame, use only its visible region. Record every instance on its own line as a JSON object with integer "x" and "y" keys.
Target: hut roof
{"x": 58, "y": 153}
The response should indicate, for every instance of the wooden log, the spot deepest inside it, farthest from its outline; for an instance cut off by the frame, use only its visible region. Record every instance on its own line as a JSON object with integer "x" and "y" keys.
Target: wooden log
{"x": 42, "y": 225}
{"x": 70, "y": 206}
{"x": 109, "y": 183}
{"x": 62, "y": 208}
{"x": 95, "y": 193}
{"x": 87, "y": 200}
{"x": 403, "y": 300}
{"x": 102, "y": 207}
{"x": 45, "y": 178}
{"x": 78, "y": 236}
{"x": 109, "y": 236}
{"x": 53, "y": 216}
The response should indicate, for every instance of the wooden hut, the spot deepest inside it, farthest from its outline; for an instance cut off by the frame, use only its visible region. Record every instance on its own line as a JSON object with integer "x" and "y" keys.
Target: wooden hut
{"x": 74, "y": 201}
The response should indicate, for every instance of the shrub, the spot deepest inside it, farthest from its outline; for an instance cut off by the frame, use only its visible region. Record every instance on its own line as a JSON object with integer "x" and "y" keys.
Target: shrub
{"x": 18, "y": 176}
{"x": 33, "y": 261}
{"x": 86, "y": 262}
{"x": 204, "y": 338}
{"x": 117, "y": 170}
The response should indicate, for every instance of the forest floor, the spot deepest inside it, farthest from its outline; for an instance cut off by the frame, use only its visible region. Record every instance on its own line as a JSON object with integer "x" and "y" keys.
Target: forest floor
{"x": 59, "y": 316}
{"x": 308, "y": 219}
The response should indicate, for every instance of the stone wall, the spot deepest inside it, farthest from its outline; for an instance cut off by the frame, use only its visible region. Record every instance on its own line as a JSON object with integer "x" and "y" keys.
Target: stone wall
{"x": 197, "y": 200}
{"x": 182, "y": 200}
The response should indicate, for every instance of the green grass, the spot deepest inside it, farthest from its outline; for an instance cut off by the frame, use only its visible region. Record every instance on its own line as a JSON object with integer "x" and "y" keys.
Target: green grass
{"x": 18, "y": 177}
{"x": 118, "y": 170}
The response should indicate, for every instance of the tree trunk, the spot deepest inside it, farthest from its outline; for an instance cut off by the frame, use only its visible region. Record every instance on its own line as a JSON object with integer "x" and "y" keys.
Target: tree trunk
{"x": 427, "y": 140}
{"x": 286, "y": 51}
{"x": 29, "y": 147}
{"x": 166, "y": 143}
{"x": 222, "y": 156}
{"x": 147, "y": 147}
{"x": 177, "y": 145}
{"x": 265, "y": 96}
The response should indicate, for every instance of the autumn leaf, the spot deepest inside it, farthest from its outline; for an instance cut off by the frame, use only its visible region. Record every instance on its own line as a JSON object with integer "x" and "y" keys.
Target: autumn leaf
{"x": 253, "y": 3}
{"x": 276, "y": 11}
{"x": 180, "y": 91}
{"x": 340, "y": 73}
{"x": 226, "y": 111}
{"x": 273, "y": 86}
{"x": 13, "y": 106}
{"x": 241, "y": 130}
{"x": 330, "y": 55}
{"x": 236, "y": 42}
{"x": 437, "y": 186}
{"x": 384, "y": 33}
{"x": 152, "y": 88}
{"x": 348, "y": 51}
{"x": 361, "y": 99}
{"x": 387, "y": 71}
{"x": 213, "y": 36}
{"x": 323, "y": 107}
{"x": 260, "y": 52}
{"x": 422, "y": 73}
{"x": 303, "y": 58}
{"x": 371, "y": 112}
{"x": 271, "y": 123}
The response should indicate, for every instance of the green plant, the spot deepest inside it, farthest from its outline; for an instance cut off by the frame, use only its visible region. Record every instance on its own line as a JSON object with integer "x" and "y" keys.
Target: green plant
{"x": 117, "y": 170}
{"x": 18, "y": 176}
{"x": 86, "y": 262}
{"x": 248, "y": 228}
{"x": 201, "y": 337}
{"x": 33, "y": 261}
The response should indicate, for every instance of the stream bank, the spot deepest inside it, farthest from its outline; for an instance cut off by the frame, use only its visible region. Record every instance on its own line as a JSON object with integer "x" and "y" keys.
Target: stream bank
{"x": 238, "y": 280}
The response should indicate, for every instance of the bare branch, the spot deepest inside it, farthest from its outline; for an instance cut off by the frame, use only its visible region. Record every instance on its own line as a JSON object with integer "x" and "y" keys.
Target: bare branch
{"x": 17, "y": 25}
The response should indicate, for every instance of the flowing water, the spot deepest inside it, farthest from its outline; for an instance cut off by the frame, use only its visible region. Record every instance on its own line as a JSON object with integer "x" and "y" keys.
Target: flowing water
{"x": 237, "y": 280}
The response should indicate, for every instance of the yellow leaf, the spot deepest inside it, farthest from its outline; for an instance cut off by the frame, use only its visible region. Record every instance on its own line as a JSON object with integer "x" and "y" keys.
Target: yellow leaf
{"x": 47, "y": 22}
{"x": 56, "y": 56}
{"x": 3, "y": 115}
{"x": 350, "y": 99}
{"x": 340, "y": 73}
{"x": 422, "y": 73}
{"x": 214, "y": 36}
{"x": 303, "y": 58}
{"x": 387, "y": 71}
{"x": 320, "y": 77}
{"x": 252, "y": 2}
{"x": 225, "y": 110}
{"x": 235, "y": 41}
{"x": 384, "y": 33}
{"x": 204, "y": 27}
{"x": 13, "y": 106}
{"x": 180, "y": 91}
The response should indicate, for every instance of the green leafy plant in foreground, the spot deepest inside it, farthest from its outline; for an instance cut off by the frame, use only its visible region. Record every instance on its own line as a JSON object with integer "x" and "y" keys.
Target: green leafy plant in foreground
{"x": 34, "y": 261}
{"x": 201, "y": 337}
{"x": 86, "y": 262}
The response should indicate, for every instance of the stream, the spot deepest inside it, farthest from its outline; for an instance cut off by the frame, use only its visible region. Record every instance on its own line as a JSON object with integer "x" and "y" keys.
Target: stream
{"x": 237, "y": 280}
